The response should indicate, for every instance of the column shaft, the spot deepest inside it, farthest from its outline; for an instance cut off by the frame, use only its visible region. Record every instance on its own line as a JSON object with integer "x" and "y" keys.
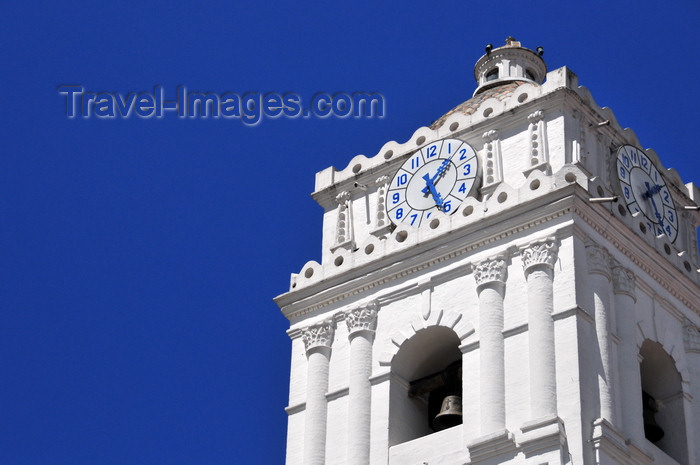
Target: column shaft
{"x": 543, "y": 383}
{"x": 359, "y": 402}
{"x": 361, "y": 323}
{"x": 317, "y": 340}
{"x": 490, "y": 276}
{"x": 316, "y": 407}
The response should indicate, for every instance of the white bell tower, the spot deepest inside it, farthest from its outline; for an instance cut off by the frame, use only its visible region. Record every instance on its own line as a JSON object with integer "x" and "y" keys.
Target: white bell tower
{"x": 549, "y": 316}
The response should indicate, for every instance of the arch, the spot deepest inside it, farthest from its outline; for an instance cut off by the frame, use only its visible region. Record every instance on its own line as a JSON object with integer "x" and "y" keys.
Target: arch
{"x": 449, "y": 319}
{"x": 663, "y": 401}
{"x": 425, "y": 370}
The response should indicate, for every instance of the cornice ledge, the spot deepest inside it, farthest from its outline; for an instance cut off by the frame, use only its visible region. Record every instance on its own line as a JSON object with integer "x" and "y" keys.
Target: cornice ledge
{"x": 383, "y": 274}
{"x": 646, "y": 259}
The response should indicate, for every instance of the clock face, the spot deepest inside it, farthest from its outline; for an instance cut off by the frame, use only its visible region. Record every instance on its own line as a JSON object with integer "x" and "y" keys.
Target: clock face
{"x": 645, "y": 191}
{"x": 433, "y": 181}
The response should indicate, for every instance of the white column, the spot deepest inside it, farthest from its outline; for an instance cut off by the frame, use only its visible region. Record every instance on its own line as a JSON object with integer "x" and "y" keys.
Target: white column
{"x": 317, "y": 339}
{"x": 362, "y": 323}
{"x": 538, "y": 264}
{"x": 490, "y": 278}
{"x": 630, "y": 387}
{"x": 599, "y": 275}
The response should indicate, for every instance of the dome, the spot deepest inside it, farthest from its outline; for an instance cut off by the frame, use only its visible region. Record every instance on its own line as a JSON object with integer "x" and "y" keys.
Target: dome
{"x": 500, "y": 92}
{"x": 498, "y": 73}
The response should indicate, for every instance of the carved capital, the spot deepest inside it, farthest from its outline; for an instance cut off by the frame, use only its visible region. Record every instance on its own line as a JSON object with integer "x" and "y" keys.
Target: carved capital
{"x": 535, "y": 117}
{"x": 493, "y": 270}
{"x": 598, "y": 260}
{"x": 623, "y": 281}
{"x": 363, "y": 318}
{"x": 542, "y": 252}
{"x": 691, "y": 337}
{"x": 490, "y": 136}
{"x": 318, "y": 335}
{"x": 343, "y": 198}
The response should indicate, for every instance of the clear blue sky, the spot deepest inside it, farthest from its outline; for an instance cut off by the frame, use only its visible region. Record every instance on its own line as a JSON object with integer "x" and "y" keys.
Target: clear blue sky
{"x": 139, "y": 257}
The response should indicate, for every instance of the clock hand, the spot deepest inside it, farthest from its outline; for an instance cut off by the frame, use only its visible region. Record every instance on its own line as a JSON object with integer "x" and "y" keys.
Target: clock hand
{"x": 429, "y": 186}
{"x": 651, "y": 191}
{"x": 441, "y": 169}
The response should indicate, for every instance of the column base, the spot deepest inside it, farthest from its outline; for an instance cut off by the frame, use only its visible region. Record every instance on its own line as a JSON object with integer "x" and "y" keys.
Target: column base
{"x": 544, "y": 438}
{"x": 500, "y": 444}
{"x": 611, "y": 447}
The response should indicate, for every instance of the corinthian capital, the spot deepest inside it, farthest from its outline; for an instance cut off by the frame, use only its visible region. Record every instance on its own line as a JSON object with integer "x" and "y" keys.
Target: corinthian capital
{"x": 542, "y": 252}
{"x": 492, "y": 270}
{"x": 362, "y": 318}
{"x": 623, "y": 281}
{"x": 318, "y": 335}
{"x": 691, "y": 337}
{"x": 598, "y": 260}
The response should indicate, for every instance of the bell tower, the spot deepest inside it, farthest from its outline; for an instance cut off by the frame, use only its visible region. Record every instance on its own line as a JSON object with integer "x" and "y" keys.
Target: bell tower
{"x": 517, "y": 283}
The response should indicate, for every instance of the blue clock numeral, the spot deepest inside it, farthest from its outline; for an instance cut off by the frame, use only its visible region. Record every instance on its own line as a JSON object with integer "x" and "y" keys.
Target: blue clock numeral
{"x": 626, "y": 161}
{"x": 414, "y": 216}
{"x": 402, "y": 179}
{"x": 463, "y": 188}
{"x": 415, "y": 163}
{"x": 463, "y": 154}
{"x": 395, "y": 198}
{"x": 432, "y": 151}
{"x": 467, "y": 169}
{"x": 399, "y": 213}
{"x": 447, "y": 206}
{"x": 627, "y": 193}
{"x": 623, "y": 173}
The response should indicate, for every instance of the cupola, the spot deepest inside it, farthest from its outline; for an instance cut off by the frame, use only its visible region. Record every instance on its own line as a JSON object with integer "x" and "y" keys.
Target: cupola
{"x": 507, "y": 64}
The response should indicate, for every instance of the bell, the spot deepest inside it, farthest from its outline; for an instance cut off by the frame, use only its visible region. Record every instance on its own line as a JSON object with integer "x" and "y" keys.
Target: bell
{"x": 652, "y": 430}
{"x": 450, "y": 413}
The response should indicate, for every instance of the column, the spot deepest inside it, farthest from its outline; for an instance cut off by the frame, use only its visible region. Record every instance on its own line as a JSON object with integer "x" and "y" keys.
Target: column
{"x": 538, "y": 263}
{"x": 490, "y": 278}
{"x": 317, "y": 340}
{"x": 362, "y": 323}
{"x": 630, "y": 388}
{"x": 599, "y": 275}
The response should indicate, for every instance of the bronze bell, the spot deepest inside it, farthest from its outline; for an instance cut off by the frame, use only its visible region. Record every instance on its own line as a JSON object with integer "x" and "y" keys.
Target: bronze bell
{"x": 652, "y": 430}
{"x": 450, "y": 413}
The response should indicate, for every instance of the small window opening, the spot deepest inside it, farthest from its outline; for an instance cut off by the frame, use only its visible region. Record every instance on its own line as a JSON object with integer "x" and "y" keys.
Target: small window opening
{"x": 492, "y": 75}
{"x": 529, "y": 75}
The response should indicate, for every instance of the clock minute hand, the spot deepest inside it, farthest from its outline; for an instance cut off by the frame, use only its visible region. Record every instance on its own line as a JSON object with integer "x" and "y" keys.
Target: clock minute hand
{"x": 441, "y": 169}
{"x": 431, "y": 188}
{"x": 649, "y": 194}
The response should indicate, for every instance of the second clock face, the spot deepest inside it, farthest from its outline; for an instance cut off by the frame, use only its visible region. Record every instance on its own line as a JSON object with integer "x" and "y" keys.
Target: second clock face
{"x": 434, "y": 180}
{"x": 645, "y": 191}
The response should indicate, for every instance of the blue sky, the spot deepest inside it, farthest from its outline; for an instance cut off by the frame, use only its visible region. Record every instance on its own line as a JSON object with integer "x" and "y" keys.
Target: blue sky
{"x": 140, "y": 256}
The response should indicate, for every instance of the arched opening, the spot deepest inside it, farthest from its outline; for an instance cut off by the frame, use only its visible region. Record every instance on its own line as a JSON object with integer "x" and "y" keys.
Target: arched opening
{"x": 426, "y": 370}
{"x": 492, "y": 75}
{"x": 663, "y": 402}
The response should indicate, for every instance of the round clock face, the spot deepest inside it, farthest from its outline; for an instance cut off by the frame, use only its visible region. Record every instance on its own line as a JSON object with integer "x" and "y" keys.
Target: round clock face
{"x": 645, "y": 191}
{"x": 433, "y": 181}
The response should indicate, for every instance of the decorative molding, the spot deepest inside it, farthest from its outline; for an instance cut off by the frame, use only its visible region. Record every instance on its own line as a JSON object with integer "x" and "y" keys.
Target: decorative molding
{"x": 362, "y": 318}
{"x": 344, "y": 236}
{"x": 382, "y": 225}
{"x": 623, "y": 280}
{"x": 303, "y": 309}
{"x": 493, "y": 162}
{"x": 542, "y": 252}
{"x": 598, "y": 260}
{"x": 318, "y": 335}
{"x": 539, "y": 150}
{"x": 492, "y": 270}
{"x": 691, "y": 337}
